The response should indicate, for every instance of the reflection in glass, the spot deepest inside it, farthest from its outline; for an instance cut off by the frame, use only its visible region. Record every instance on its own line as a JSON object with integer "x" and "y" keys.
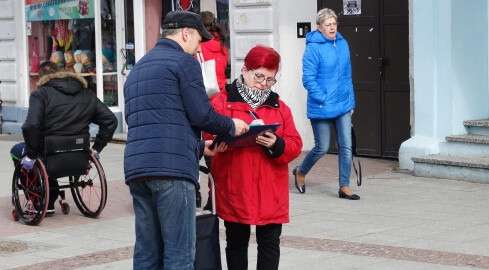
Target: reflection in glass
{"x": 109, "y": 59}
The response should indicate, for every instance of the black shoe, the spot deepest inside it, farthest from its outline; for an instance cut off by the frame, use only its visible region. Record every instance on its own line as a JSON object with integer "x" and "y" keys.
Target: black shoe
{"x": 300, "y": 188}
{"x": 50, "y": 211}
{"x": 343, "y": 195}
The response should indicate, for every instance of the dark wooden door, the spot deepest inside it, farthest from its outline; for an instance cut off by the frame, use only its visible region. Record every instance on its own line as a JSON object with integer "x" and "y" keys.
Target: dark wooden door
{"x": 379, "y": 49}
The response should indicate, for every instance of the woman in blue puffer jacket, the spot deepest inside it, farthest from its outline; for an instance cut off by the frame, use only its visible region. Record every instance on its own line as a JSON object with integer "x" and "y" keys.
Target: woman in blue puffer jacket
{"x": 330, "y": 99}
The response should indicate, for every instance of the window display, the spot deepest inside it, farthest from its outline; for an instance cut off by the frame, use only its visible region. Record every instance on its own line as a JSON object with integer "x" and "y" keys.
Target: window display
{"x": 63, "y": 31}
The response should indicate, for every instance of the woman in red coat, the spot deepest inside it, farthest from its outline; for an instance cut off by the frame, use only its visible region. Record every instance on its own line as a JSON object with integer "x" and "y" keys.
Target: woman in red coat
{"x": 215, "y": 48}
{"x": 252, "y": 183}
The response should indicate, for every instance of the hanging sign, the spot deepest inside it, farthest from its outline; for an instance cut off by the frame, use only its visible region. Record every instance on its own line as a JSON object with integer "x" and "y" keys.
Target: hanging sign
{"x": 352, "y": 7}
{"x": 45, "y": 10}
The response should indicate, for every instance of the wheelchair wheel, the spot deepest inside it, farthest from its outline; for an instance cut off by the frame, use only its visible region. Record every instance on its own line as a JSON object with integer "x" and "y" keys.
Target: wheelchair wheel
{"x": 30, "y": 193}
{"x": 90, "y": 190}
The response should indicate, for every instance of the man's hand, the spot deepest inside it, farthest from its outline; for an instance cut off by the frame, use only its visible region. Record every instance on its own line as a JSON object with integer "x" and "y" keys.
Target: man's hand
{"x": 240, "y": 127}
{"x": 220, "y": 147}
{"x": 28, "y": 163}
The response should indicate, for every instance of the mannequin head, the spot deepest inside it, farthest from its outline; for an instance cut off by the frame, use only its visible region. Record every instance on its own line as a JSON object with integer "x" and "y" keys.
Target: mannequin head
{"x": 87, "y": 57}
{"x": 69, "y": 60}
{"x": 57, "y": 57}
{"x": 107, "y": 55}
{"x": 77, "y": 56}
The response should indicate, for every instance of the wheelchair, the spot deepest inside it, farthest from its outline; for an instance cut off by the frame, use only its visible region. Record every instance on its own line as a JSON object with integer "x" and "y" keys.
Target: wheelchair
{"x": 69, "y": 161}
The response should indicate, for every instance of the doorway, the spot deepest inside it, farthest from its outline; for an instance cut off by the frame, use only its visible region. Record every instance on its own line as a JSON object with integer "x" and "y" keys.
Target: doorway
{"x": 377, "y": 32}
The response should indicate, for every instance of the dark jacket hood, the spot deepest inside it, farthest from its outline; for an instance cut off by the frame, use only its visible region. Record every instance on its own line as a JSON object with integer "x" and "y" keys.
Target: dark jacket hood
{"x": 67, "y": 82}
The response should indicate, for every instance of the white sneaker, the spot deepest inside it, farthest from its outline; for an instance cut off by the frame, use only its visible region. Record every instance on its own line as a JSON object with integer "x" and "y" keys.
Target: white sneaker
{"x": 30, "y": 209}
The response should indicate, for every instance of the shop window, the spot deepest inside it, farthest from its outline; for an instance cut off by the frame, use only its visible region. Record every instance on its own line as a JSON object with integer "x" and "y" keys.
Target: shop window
{"x": 109, "y": 59}
{"x": 63, "y": 31}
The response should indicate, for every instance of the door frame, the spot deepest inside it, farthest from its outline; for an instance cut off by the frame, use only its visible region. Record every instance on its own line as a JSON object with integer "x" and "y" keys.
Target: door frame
{"x": 140, "y": 45}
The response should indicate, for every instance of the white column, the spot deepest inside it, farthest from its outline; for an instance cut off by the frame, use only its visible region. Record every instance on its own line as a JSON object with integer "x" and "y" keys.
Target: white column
{"x": 139, "y": 28}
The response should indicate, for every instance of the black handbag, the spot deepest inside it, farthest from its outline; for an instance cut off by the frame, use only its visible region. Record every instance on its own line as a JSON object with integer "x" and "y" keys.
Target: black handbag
{"x": 67, "y": 155}
{"x": 354, "y": 154}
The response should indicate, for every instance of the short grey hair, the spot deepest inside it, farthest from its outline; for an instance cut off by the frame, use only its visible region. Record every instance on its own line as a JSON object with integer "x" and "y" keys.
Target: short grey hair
{"x": 171, "y": 32}
{"x": 325, "y": 14}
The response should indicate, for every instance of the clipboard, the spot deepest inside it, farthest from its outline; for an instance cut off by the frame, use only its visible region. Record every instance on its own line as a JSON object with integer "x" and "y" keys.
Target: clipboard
{"x": 246, "y": 139}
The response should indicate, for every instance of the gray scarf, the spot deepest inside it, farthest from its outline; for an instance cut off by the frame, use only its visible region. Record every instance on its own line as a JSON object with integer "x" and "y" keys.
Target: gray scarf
{"x": 253, "y": 97}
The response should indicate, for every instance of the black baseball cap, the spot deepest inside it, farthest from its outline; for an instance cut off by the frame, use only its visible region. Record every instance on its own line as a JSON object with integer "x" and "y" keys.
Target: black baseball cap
{"x": 181, "y": 19}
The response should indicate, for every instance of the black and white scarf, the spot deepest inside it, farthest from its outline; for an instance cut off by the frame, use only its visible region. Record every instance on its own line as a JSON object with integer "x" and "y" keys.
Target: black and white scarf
{"x": 253, "y": 97}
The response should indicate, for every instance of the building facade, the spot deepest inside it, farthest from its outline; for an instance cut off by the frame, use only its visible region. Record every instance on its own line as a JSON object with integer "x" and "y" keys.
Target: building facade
{"x": 442, "y": 45}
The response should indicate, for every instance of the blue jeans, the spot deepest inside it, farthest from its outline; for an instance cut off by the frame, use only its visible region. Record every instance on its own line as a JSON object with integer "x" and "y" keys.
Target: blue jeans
{"x": 165, "y": 224}
{"x": 321, "y": 129}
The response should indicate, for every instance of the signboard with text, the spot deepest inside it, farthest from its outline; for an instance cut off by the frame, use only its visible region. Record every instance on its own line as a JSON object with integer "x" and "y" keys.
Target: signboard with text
{"x": 45, "y": 10}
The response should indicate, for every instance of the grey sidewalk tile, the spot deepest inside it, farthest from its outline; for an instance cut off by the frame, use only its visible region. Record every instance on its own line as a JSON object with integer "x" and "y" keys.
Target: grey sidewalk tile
{"x": 297, "y": 259}
{"x": 463, "y": 235}
{"x": 311, "y": 229}
{"x": 482, "y": 242}
{"x": 20, "y": 259}
{"x": 407, "y": 265}
{"x": 120, "y": 265}
{"x": 396, "y": 211}
{"x": 380, "y": 239}
{"x": 447, "y": 246}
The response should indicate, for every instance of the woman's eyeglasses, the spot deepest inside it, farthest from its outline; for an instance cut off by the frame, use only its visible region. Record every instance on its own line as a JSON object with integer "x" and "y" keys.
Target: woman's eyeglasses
{"x": 260, "y": 78}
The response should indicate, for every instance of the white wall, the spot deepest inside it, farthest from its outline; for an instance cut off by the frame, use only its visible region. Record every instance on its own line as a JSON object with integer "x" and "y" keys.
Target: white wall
{"x": 251, "y": 24}
{"x": 274, "y": 23}
{"x": 7, "y": 52}
{"x": 291, "y": 51}
{"x": 450, "y": 83}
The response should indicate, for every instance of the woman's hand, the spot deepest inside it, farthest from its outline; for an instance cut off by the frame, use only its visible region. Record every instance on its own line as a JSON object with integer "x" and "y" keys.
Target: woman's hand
{"x": 351, "y": 112}
{"x": 220, "y": 147}
{"x": 257, "y": 122}
{"x": 268, "y": 139}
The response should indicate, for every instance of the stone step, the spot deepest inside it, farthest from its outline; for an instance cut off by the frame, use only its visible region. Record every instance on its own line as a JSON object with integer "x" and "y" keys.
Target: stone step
{"x": 478, "y": 127}
{"x": 463, "y": 168}
{"x": 477, "y": 123}
{"x": 469, "y": 138}
{"x": 457, "y": 147}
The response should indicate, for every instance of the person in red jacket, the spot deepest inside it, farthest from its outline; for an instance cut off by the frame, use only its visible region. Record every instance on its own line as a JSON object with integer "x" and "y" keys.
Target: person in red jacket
{"x": 215, "y": 48}
{"x": 252, "y": 183}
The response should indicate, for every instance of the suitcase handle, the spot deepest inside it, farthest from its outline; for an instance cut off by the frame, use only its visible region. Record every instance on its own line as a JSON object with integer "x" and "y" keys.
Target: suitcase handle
{"x": 211, "y": 179}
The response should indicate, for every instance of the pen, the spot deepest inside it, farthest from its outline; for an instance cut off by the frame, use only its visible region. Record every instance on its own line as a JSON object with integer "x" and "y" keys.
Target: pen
{"x": 253, "y": 115}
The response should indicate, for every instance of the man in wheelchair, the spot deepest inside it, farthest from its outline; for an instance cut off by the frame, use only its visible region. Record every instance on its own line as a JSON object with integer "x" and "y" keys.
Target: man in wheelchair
{"x": 61, "y": 106}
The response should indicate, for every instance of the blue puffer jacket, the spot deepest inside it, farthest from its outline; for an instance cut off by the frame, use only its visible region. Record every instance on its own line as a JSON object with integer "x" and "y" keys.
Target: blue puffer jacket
{"x": 326, "y": 75}
{"x": 166, "y": 108}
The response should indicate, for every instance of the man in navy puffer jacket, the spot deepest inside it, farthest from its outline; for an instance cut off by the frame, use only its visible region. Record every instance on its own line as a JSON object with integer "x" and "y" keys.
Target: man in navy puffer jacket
{"x": 166, "y": 108}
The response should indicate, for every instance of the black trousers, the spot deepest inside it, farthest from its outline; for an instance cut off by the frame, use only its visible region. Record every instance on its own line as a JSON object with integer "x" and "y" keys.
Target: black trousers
{"x": 238, "y": 238}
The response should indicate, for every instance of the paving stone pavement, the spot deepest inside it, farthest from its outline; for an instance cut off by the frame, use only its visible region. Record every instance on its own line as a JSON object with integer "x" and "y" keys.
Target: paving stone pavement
{"x": 401, "y": 222}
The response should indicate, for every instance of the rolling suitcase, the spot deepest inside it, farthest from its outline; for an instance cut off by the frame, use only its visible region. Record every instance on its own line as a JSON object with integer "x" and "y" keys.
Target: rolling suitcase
{"x": 207, "y": 247}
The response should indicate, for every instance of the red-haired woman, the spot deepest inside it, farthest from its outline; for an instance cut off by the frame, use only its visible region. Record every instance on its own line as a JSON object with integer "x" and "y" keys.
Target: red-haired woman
{"x": 215, "y": 48}
{"x": 252, "y": 183}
